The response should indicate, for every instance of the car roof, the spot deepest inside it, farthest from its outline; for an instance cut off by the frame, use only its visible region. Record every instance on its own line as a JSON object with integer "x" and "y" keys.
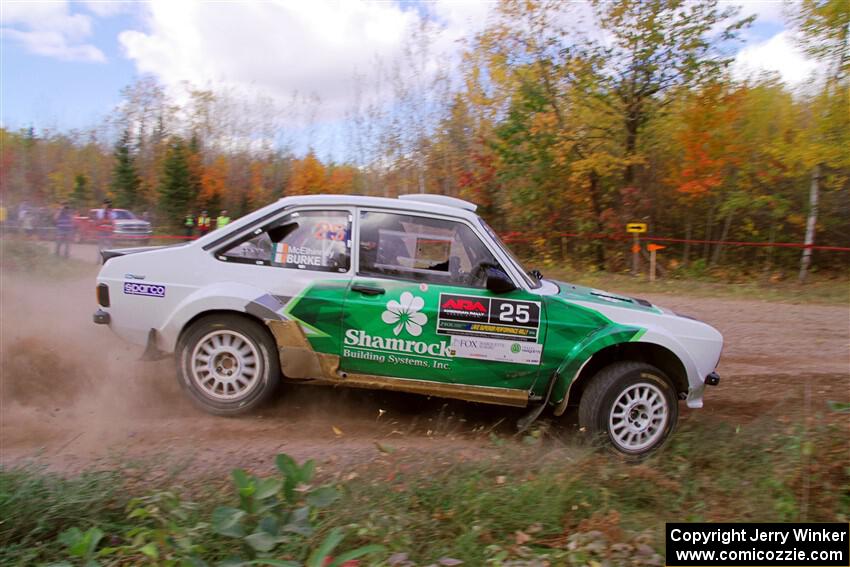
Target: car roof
{"x": 424, "y": 202}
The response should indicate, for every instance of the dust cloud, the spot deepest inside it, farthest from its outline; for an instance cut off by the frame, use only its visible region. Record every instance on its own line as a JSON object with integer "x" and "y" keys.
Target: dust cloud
{"x": 73, "y": 395}
{"x": 63, "y": 376}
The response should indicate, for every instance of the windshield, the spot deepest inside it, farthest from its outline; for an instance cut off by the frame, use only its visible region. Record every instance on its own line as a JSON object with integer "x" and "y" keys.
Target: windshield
{"x": 121, "y": 214}
{"x": 531, "y": 281}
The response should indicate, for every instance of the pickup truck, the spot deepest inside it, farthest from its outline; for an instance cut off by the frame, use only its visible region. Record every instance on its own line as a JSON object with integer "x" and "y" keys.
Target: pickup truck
{"x": 126, "y": 227}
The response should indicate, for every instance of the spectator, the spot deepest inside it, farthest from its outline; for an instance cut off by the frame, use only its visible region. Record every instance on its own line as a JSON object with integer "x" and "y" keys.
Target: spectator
{"x": 204, "y": 223}
{"x": 105, "y": 216}
{"x": 27, "y": 222}
{"x": 223, "y": 220}
{"x": 64, "y": 222}
{"x": 189, "y": 224}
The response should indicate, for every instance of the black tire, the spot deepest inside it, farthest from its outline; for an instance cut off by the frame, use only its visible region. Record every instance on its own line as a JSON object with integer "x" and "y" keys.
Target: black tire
{"x": 638, "y": 428}
{"x": 207, "y": 385}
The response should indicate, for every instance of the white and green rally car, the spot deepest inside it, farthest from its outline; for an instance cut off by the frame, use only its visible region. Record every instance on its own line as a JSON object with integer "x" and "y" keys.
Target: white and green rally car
{"x": 415, "y": 294}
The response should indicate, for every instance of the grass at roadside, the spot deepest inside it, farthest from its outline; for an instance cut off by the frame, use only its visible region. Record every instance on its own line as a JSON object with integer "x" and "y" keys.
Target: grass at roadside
{"x": 566, "y": 504}
{"x": 819, "y": 289}
{"x": 36, "y": 258}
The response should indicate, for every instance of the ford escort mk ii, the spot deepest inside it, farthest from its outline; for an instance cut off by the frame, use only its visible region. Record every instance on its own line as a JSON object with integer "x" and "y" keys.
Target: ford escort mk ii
{"x": 414, "y": 294}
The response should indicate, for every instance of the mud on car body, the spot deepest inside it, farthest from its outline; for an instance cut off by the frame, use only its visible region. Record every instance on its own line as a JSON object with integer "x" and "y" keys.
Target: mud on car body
{"x": 413, "y": 294}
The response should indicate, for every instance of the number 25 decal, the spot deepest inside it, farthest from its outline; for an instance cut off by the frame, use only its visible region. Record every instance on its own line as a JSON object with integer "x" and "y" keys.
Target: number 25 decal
{"x": 509, "y": 313}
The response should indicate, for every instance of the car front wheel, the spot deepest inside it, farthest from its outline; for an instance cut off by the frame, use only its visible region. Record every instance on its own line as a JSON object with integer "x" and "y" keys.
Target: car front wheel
{"x": 631, "y": 405}
{"x": 228, "y": 364}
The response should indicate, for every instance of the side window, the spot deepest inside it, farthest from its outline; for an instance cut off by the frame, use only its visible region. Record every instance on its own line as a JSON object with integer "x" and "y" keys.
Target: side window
{"x": 422, "y": 249}
{"x": 305, "y": 240}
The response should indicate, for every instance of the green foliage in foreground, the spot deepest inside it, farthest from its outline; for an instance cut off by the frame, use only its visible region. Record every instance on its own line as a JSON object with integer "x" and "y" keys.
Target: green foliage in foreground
{"x": 274, "y": 513}
{"x": 530, "y": 502}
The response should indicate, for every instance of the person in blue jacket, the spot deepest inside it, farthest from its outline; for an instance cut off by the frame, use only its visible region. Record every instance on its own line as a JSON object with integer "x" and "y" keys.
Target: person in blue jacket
{"x": 64, "y": 222}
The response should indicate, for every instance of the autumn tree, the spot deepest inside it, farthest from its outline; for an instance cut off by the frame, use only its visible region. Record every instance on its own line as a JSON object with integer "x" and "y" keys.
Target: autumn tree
{"x": 80, "y": 196}
{"x": 341, "y": 179}
{"x": 658, "y": 46}
{"x": 214, "y": 184}
{"x": 308, "y": 176}
{"x": 823, "y": 28}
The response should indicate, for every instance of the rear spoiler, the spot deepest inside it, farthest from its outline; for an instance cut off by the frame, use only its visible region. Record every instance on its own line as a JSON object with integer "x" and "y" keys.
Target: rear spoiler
{"x": 107, "y": 255}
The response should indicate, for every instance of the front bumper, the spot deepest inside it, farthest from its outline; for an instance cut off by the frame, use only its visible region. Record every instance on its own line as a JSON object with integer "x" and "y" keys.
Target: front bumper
{"x": 132, "y": 235}
{"x": 695, "y": 394}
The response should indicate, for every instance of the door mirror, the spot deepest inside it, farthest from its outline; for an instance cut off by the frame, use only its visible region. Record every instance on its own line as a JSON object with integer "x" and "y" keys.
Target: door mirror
{"x": 498, "y": 281}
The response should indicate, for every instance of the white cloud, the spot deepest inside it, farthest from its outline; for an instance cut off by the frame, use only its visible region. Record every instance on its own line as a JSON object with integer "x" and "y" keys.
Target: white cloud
{"x": 275, "y": 48}
{"x": 50, "y": 29}
{"x": 107, "y": 8}
{"x": 766, "y": 11}
{"x": 280, "y": 47}
{"x": 777, "y": 54}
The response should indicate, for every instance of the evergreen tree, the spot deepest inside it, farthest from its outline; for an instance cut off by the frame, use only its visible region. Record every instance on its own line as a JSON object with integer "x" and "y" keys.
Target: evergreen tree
{"x": 80, "y": 195}
{"x": 125, "y": 179}
{"x": 176, "y": 187}
{"x": 196, "y": 166}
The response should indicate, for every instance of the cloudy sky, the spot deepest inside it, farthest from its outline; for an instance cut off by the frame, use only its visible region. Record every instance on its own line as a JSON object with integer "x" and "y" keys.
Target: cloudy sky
{"x": 64, "y": 63}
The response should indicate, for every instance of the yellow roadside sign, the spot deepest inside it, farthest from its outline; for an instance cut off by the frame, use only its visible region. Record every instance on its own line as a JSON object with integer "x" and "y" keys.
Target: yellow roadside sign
{"x": 636, "y": 227}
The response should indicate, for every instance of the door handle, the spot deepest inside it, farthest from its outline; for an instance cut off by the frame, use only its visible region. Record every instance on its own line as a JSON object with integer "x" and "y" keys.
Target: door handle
{"x": 368, "y": 290}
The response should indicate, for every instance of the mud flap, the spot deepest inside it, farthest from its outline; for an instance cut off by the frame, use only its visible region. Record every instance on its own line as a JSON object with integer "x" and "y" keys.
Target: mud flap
{"x": 151, "y": 352}
{"x": 525, "y": 421}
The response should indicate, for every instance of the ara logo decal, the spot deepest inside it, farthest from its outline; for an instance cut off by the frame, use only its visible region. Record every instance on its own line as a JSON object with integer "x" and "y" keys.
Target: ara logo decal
{"x": 464, "y": 307}
{"x": 405, "y": 314}
{"x": 150, "y": 290}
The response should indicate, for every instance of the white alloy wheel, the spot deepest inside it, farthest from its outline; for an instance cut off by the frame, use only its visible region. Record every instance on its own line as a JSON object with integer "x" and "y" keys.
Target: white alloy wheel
{"x": 225, "y": 365}
{"x": 630, "y": 405}
{"x": 638, "y": 417}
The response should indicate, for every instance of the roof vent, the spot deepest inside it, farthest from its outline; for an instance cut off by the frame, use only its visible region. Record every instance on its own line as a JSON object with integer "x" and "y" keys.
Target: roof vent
{"x": 440, "y": 200}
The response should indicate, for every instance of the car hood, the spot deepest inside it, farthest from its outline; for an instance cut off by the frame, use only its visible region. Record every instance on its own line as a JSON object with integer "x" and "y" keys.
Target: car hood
{"x": 573, "y": 292}
{"x": 701, "y": 340}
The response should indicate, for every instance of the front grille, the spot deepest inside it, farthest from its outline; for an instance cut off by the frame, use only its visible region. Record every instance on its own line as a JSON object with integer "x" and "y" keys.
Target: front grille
{"x": 137, "y": 229}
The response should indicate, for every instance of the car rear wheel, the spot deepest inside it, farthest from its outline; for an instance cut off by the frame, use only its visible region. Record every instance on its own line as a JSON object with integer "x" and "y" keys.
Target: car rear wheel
{"x": 228, "y": 364}
{"x": 630, "y": 405}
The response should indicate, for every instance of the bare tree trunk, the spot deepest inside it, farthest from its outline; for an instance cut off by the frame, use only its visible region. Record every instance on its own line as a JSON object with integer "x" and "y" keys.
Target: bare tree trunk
{"x": 768, "y": 258}
{"x": 718, "y": 248}
{"x": 814, "y": 190}
{"x": 597, "y": 212}
{"x": 688, "y": 233}
{"x": 421, "y": 178}
{"x": 709, "y": 231}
